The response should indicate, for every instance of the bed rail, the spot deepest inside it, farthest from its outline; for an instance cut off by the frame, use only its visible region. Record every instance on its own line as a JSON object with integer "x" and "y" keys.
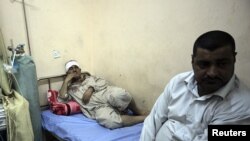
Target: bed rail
{"x": 48, "y": 78}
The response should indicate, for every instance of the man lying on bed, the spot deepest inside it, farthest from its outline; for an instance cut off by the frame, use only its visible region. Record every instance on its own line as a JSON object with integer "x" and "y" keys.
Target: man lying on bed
{"x": 107, "y": 104}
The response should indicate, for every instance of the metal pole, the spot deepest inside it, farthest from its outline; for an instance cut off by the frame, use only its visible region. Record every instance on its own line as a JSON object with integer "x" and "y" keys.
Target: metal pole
{"x": 26, "y": 26}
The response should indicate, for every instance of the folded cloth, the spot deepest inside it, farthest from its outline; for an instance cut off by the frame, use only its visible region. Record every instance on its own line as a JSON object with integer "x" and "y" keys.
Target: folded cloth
{"x": 69, "y": 108}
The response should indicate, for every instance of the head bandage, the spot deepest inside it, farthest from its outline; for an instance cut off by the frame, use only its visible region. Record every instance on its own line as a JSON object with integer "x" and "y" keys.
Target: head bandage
{"x": 70, "y": 64}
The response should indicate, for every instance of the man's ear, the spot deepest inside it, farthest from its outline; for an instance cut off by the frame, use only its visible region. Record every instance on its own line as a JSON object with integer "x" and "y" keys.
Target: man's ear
{"x": 235, "y": 53}
{"x": 192, "y": 58}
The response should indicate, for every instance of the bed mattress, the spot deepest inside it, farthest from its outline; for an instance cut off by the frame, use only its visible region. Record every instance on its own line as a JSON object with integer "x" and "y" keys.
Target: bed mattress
{"x": 80, "y": 128}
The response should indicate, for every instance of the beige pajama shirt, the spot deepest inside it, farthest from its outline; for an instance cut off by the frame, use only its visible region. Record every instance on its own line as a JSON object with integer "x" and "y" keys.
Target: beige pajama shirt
{"x": 106, "y": 103}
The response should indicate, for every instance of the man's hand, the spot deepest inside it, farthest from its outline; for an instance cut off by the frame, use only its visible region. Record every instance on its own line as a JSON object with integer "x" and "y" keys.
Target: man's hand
{"x": 87, "y": 95}
{"x": 69, "y": 77}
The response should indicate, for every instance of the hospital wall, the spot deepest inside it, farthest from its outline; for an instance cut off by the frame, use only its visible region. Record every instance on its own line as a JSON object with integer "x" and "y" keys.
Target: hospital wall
{"x": 135, "y": 44}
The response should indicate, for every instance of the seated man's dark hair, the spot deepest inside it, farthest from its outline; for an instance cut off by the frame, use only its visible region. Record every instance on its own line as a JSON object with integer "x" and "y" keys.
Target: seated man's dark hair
{"x": 213, "y": 40}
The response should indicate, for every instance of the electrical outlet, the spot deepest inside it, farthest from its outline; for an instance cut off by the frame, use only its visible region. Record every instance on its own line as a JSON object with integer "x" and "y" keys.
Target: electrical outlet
{"x": 56, "y": 54}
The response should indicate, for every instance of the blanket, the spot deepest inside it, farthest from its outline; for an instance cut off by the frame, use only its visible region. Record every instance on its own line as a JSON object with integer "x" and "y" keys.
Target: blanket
{"x": 60, "y": 108}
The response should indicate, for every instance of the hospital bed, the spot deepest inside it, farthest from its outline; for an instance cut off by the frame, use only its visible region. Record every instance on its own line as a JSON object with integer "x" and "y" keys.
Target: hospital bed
{"x": 78, "y": 127}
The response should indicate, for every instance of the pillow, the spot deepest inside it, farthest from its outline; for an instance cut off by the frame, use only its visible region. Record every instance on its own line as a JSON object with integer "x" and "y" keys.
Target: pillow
{"x": 69, "y": 108}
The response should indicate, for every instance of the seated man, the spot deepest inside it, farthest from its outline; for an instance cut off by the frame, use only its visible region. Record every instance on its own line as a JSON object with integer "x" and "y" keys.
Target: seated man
{"x": 210, "y": 94}
{"x": 100, "y": 101}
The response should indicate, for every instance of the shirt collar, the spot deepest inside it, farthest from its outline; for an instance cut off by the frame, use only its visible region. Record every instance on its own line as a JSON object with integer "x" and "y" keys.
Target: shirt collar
{"x": 222, "y": 92}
